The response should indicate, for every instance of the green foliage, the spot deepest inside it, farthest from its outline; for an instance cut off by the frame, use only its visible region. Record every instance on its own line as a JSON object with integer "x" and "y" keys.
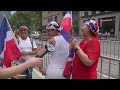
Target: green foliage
{"x": 31, "y": 19}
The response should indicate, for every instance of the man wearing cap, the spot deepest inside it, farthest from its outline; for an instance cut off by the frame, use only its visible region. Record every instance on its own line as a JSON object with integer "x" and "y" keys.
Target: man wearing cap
{"x": 58, "y": 49}
{"x": 87, "y": 52}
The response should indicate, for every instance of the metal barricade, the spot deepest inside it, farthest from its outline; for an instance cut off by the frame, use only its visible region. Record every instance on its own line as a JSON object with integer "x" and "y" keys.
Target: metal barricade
{"x": 110, "y": 48}
{"x": 109, "y": 61}
{"x": 108, "y": 68}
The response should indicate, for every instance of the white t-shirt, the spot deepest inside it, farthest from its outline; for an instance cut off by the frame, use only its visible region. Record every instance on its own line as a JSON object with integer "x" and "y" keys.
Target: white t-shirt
{"x": 25, "y": 45}
{"x": 58, "y": 58}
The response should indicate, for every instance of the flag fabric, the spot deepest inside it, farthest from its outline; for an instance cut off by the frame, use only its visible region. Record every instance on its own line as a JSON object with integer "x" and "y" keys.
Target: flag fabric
{"x": 68, "y": 68}
{"x": 67, "y": 21}
{"x": 65, "y": 27}
{"x": 9, "y": 49}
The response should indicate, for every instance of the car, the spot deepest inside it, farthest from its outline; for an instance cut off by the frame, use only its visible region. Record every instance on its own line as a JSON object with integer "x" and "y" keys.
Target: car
{"x": 35, "y": 35}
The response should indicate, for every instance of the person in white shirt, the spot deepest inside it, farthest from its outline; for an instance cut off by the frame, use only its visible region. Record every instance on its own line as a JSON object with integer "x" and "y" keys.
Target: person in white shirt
{"x": 28, "y": 47}
{"x": 58, "y": 53}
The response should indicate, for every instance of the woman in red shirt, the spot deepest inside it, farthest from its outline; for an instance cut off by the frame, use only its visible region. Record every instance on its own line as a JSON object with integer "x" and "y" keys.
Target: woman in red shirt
{"x": 87, "y": 52}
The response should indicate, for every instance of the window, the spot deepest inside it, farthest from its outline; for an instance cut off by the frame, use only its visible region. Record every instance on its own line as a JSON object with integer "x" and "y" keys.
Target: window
{"x": 75, "y": 12}
{"x": 102, "y": 11}
{"x": 86, "y": 13}
{"x": 63, "y": 13}
{"x": 56, "y": 18}
{"x": 93, "y": 12}
{"x": 108, "y": 25}
{"x": 50, "y": 19}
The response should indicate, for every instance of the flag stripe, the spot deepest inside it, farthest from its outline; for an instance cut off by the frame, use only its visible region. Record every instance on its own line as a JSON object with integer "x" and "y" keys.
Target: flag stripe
{"x": 65, "y": 35}
{"x": 66, "y": 23}
{"x": 11, "y": 53}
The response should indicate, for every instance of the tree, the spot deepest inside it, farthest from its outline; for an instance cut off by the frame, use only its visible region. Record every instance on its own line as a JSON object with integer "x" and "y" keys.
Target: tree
{"x": 32, "y": 19}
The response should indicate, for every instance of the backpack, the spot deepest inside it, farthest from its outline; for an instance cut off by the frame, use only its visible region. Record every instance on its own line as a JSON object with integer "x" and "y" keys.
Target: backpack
{"x": 31, "y": 40}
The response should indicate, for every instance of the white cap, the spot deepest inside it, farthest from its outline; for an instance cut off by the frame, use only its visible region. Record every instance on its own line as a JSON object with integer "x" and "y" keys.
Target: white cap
{"x": 52, "y": 25}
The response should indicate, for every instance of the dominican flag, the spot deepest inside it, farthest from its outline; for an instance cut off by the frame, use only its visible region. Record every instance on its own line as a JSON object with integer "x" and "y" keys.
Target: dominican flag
{"x": 9, "y": 49}
{"x": 67, "y": 21}
{"x": 68, "y": 68}
{"x": 65, "y": 28}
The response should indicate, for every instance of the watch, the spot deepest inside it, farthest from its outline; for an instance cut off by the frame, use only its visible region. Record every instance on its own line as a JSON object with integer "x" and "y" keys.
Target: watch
{"x": 76, "y": 49}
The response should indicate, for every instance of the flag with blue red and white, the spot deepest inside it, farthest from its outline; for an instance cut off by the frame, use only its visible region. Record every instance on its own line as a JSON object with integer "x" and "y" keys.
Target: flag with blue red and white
{"x": 66, "y": 26}
{"x": 9, "y": 49}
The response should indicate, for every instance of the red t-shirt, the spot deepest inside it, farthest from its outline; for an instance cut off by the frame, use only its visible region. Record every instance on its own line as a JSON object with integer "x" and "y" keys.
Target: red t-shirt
{"x": 80, "y": 70}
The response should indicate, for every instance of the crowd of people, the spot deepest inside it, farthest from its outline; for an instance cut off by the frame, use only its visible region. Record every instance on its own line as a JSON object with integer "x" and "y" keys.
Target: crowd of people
{"x": 84, "y": 63}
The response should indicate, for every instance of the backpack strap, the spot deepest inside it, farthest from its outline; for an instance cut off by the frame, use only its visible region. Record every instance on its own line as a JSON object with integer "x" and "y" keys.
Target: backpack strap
{"x": 18, "y": 40}
{"x": 31, "y": 40}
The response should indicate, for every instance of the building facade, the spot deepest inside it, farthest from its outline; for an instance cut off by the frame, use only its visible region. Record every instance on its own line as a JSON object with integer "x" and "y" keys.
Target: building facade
{"x": 48, "y": 16}
{"x": 109, "y": 21}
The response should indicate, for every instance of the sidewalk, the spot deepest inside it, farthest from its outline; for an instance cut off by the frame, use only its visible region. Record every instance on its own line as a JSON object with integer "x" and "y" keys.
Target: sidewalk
{"x": 37, "y": 75}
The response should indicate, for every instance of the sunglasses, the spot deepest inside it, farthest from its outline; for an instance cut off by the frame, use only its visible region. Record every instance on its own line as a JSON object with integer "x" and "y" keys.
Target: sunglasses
{"x": 53, "y": 25}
